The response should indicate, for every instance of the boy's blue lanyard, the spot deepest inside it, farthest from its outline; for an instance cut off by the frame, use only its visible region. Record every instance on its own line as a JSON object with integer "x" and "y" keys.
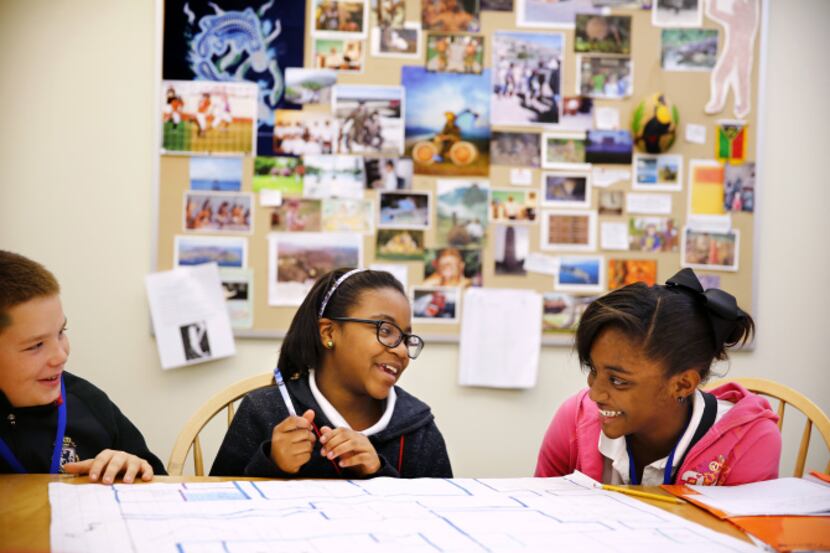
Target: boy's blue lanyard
{"x": 9, "y": 457}
{"x": 634, "y": 480}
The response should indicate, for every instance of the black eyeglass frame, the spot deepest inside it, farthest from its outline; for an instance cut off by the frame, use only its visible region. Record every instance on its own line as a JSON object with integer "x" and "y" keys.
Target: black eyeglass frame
{"x": 404, "y": 337}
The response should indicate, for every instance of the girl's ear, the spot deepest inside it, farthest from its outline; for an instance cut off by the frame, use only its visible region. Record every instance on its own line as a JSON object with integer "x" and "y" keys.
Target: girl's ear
{"x": 685, "y": 384}
{"x": 326, "y": 330}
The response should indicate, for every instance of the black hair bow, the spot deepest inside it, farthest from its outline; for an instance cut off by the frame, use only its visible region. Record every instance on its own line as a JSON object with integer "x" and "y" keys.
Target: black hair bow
{"x": 722, "y": 307}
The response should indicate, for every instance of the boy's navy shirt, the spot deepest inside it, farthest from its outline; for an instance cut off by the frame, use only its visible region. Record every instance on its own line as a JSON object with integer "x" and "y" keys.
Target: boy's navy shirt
{"x": 246, "y": 449}
{"x": 94, "y": 423}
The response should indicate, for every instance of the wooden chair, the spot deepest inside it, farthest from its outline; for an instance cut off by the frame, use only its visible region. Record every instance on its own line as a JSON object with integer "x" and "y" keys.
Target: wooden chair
{"x": 784, "y": 395}
{"x": 189, "y": 436}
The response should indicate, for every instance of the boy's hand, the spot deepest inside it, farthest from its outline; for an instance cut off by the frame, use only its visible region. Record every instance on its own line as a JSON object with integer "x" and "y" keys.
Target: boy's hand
{"x": 110, "y": 463}
{"x": 353, "y": 449}
{"x": 292, "y": 442}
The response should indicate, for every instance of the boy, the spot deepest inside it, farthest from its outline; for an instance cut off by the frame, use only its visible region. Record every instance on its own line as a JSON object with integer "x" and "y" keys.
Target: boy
{"x": 50, "y": 420}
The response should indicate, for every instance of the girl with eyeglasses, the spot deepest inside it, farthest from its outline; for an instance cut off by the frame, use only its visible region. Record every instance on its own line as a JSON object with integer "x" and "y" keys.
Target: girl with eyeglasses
{"x": 335, "y": 410}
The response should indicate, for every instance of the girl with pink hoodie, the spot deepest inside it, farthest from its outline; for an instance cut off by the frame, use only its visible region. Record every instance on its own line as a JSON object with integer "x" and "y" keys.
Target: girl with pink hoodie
{"x": 643, "y": 419}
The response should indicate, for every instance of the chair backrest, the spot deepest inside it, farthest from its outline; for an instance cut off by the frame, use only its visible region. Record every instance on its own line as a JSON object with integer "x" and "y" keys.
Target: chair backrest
{"x": 189, "y": 436}
{"x": 786, "y": 395}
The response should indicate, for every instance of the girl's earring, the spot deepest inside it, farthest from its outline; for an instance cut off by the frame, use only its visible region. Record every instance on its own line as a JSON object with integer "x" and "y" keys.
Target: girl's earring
{"x": 680, "y": 399}
{"x": 329, "y": 344}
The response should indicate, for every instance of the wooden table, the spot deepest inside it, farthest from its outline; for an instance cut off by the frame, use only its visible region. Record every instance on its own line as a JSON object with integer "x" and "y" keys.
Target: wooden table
{"x": 24, "y": 509}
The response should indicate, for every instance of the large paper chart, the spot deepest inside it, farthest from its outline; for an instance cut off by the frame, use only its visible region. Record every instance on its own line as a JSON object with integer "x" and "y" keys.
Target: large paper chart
{"x": 383, "y": 514}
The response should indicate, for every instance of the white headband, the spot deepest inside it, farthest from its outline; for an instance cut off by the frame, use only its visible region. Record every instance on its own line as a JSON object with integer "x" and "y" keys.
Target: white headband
{"x": 330, "y": 293}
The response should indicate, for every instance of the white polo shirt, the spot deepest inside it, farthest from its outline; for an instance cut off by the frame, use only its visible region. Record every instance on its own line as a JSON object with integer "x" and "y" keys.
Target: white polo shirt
{"x": 337, "y": 419}
{"x": 615, "y": 462}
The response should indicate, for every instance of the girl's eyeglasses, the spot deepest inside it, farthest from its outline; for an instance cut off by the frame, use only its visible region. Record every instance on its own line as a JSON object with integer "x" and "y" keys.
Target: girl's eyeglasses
{"x": 390, "y": 335}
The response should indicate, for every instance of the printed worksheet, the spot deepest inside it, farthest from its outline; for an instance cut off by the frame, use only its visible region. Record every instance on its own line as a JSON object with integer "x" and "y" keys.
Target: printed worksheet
{"x": 382, "y": 514}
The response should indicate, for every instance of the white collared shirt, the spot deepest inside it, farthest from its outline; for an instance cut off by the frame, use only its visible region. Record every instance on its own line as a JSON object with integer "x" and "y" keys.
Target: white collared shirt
{"x": 615, "y": 462}
{"x": 337, "y": 419}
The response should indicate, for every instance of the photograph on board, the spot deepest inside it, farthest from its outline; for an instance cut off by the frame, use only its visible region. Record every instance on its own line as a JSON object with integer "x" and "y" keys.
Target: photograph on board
{"x": 614, "y": 147}
{"x": 387, "y": 13}
{"x": 399, "y": 244}
{"x": 299, "y": 133}
{"x": 711, "y": 250}
{"x": 396, "y": 41}
{"x": 279, "y": 173}
{"x": 447, "y": 122}
{"x": 526, "y": 87}
{"x": 348, "y": 215}
{"x": 225, "y": 251}
{"x": 602, "y": 34}
{"x": 580, "y": 274}
{"x": 564, "y": 189}
{"x": 455, "y": 53}
{"x": 404, "y": 210}
{"x": 452, "y": 267}
{"x": 688, "y": 49}
{"x": 219, "y": 174}
{"x": 677, "y": 13}
{"x": 340, "y": 17}
{"x": 333, "y": 176}
{"x": 739, "y": 187}
{"x": 551, "y": 15}
{"x": 344, "y": 55}
{"x": 296, "y": 215}
{"x": 658, "y": 172}
{"x": 297, "y": 259}
{"x": 511, "y": 244}
{"x": 388, "y": 173}
{"x": 516, "y": 149}
{"x": 561, "y": 311}
{"x": 309, "y": 86}
{"x": 568, "y": 230}
{"x": 622, "y": 272}
{"x": 462, "y": 212}
{"x": 611, "y": 202}
{"x": 451, "y": 16}
{"x": 577, "y": 113}
{"x": 509, "y": 205}
{"x": 435, "y": 305}
{"x": 564, "y": 151}
{"x": 218, "y": 211}
{"x": 652, "y": 234}
{"x": 369, "y": 119}
{"x": 604, "y": 77}
{"x": 208, "y": 117}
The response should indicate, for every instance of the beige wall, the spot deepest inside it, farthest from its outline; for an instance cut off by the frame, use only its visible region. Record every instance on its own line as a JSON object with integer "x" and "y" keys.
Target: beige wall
{"x": 75, "y": 193}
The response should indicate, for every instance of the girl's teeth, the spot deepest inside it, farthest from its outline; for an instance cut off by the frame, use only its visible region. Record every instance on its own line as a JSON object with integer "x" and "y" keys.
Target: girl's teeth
{"x": 605, "y": 413}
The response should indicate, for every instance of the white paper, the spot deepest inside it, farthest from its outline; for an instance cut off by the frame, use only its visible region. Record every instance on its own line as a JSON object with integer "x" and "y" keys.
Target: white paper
{"x": 238, "y": 285}
{"x": 710, "y": 223}
{"x": 607, "y": 118}
{"x": 541, "y": 263}
{"x": 400, "y": 272}
{"x": 613, "y": 235}
{"x": 657, "y": 204}
{"x": 374, "y": 515}
{"x": 604, "y": 177}
{"x": 501, "y": 338}
{"x": 696, "y": 134}
{"x": 784, "y": 496}
{"x": 270, "y": 198}
{"x": 521, "y": 177}
{"x": 190, "y": 320}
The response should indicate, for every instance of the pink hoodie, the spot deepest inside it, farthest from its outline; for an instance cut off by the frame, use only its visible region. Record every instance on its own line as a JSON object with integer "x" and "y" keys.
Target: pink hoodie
{"x": 743, "y": 446}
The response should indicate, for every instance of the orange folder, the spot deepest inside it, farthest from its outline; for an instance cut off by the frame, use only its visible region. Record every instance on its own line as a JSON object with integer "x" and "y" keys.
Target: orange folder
{"x": 784, "y": 533}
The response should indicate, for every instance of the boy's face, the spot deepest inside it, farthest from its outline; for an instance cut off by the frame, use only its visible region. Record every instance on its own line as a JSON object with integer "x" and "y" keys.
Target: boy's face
{"x": 33, "y": 351}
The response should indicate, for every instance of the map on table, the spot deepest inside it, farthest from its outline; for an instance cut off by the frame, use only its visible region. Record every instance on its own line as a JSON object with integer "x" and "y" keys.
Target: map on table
{"x": 382, "y": 514}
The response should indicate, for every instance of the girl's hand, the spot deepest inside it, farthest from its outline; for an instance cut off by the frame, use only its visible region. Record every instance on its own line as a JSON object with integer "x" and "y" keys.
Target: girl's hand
{"x": 292, "y": 442}
{"x": 352, "y": 449}
{"x": 110, "y": 463}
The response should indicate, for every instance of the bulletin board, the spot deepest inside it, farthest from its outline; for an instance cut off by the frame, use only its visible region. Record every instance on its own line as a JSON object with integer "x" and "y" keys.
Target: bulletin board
{"x": 710, "y": 245}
